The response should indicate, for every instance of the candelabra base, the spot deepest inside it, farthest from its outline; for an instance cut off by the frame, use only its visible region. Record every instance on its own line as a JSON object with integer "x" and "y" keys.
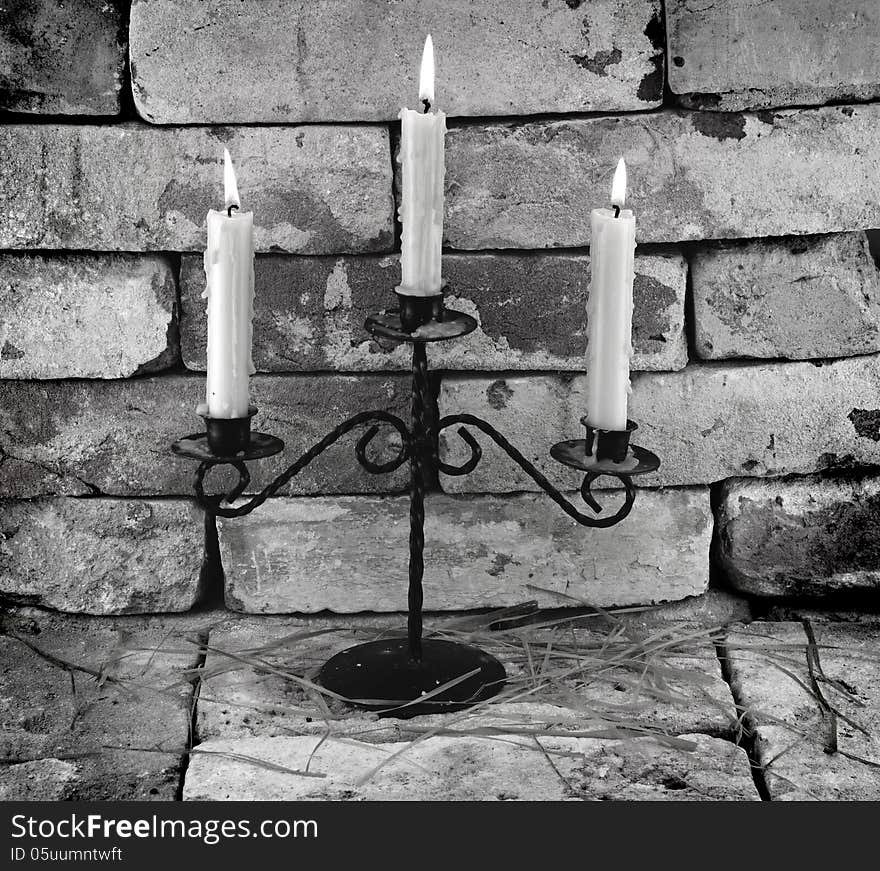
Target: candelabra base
{"x": 382, "y": 676}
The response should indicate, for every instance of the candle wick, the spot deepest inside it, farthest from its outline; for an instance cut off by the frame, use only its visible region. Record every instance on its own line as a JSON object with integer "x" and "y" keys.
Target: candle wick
{"x": 616, "y": 210}
{"x": 427, "y": 104}
{"x": 229, "y": 210}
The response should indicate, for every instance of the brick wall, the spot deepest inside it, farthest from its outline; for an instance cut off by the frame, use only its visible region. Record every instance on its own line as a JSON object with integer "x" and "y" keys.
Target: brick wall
{"x": 754, "y": 163}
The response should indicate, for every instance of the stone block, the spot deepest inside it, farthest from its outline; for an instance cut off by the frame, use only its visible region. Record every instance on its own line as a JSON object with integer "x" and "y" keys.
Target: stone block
{"x": 62, "y": 58}
{"x": 706, "y": 423}
{"x": 309, "y": 312}
{"x": 350, "y": 554}
{"x": 80, "y": 438}
{"x": 218, "y": 62}
{"x": 750, "y": 55}
{"x": 130, "y": 187}
{"x": 697, "y": 175}
{"x": 102, "y": 556}
{"x": 86, "y": 316}
{"x": 800, "y": 538}
{"x": 773, "y": 298}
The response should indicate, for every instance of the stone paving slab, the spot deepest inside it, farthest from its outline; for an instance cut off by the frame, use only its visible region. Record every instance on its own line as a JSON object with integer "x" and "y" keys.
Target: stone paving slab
{"x": 243, "y": 694}
{"x": 42, "y": 780}
{"x": 793, "y": 737}
{"x": 506, "y": 768}
{"x": 115, "y": 732}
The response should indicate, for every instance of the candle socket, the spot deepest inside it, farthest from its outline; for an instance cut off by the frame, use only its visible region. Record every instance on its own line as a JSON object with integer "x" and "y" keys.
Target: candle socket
{"x": 228, "y": 436}
{"x": 416, "y": 311}
{"x": 608, "y": 444}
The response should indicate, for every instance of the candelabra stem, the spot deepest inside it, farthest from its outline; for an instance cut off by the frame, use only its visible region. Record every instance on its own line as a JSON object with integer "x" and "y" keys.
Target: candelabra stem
{"x": 420, "y": 453}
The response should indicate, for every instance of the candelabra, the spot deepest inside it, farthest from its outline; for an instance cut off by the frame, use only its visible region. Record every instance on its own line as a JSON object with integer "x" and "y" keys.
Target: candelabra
{"x": 405, "y": 676}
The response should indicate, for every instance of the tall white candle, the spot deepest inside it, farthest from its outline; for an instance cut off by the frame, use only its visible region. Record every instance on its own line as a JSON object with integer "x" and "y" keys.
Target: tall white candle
{"x": 609, "y": 309}
{"x": 229, "y": 268}
{"x": 422, "y": 171}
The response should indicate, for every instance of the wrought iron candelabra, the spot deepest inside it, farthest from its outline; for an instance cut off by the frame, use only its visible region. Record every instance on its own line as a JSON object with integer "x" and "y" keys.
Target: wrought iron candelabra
{"x": 400, "y": 676}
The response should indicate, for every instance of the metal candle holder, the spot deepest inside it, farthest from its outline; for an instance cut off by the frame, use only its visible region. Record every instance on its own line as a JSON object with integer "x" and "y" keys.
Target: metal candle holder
{"x": 393, "y": 675}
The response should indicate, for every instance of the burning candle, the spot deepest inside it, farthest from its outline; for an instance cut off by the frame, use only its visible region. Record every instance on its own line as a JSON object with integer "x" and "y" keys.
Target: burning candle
{"x": 421, "y": 207}
{"x": 229, "y": 268}
{"x": 609, "y": 309}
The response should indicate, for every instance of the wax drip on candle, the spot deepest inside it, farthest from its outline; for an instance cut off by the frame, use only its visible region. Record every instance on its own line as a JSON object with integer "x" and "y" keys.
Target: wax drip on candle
{"x": 618, "y": 188}
{"x": 426, "y": 75}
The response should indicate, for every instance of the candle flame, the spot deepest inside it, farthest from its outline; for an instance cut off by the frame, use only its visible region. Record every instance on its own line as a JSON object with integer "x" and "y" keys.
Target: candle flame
{"x": 230, "y": 185}
{"x": 426, "y": 74}
{"x": 618, "y": 186}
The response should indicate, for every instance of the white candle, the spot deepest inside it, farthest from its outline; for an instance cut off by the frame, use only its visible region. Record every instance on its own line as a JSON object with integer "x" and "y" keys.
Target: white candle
{"x": 229, "y": 268}
{"x": 421, "y": 205}
{"x": 609, "y": 309}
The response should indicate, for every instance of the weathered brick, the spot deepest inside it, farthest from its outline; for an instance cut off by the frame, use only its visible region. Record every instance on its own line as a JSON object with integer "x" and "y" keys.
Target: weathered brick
{"x": 443, "y": 768}
{"x": 218, "y": 61}
{"x": 794, "y": 737}
{"x": 62, "y": 58}
{"x": 532, "y": 312}
{"x": 102, "y": 556}
{"x": 80, "y": 438}
{"x": 350, "y": 554}
{"x": 706, "y": 423}
{"x": 100, "y": 709}
{"x": 130, "y": 187}
{"x": 699, "y": 175}
{"x": 239, "y": 698}
{"x": 772, "y": 299}
{"x": 309, "y": 312}
{"x": 806, "y": 537}
{"x": 86, "y": 316}
{"x": 746, "y": 54}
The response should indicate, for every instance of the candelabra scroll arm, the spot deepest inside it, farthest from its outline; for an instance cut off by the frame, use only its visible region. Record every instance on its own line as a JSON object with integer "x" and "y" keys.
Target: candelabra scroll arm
{"x": 212, "y": 503}
{"x": 571, "y": 510}
{"x": 360, "y": 451}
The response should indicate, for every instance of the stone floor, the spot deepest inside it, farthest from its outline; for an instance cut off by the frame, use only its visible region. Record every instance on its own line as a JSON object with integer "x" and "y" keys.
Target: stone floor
{"x": 689, "y": 702}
